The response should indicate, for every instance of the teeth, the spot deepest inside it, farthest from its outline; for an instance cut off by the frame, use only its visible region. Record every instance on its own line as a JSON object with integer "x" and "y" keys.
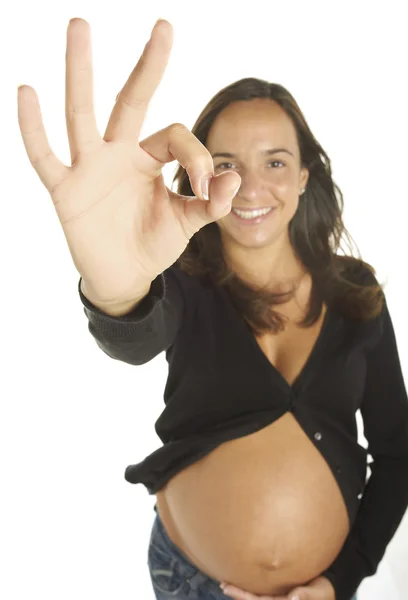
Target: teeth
{"x": 251, "y": 214}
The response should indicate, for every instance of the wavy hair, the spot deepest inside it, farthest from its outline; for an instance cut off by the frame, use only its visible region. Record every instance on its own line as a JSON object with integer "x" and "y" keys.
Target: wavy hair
{"x": 346, "y": 283}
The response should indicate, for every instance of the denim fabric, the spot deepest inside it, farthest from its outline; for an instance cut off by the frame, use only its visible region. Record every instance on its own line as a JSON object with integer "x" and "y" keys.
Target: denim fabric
{"x": 172, "y": 573}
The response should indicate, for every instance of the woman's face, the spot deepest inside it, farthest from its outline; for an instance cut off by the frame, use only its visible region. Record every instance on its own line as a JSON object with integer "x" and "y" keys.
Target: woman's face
{"x": 247, "y": 130}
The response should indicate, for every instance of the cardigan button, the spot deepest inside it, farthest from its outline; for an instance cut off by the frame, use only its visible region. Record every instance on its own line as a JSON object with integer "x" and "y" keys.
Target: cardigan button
{"x": 318, "y": 435}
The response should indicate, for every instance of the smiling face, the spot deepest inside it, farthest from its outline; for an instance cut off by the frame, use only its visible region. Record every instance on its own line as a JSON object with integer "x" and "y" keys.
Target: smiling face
{"x": 248, "y": 131}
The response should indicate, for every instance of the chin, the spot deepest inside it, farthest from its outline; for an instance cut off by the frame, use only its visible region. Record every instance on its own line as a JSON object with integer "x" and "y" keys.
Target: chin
{"x": 260, "y": 238}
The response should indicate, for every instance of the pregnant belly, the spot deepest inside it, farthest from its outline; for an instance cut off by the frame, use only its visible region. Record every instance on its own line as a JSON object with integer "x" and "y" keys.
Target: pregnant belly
{"x": 263, "y": 512}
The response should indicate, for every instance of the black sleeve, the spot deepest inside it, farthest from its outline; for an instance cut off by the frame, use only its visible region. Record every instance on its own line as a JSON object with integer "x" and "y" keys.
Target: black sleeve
{"x": 151, "y": 328}
{"x": 385, "y": 500}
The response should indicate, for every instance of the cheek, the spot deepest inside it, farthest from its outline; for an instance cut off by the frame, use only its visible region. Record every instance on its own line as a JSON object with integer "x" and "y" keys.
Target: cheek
{"x": 291, "y": 210}
{"x": 284, "y": 181}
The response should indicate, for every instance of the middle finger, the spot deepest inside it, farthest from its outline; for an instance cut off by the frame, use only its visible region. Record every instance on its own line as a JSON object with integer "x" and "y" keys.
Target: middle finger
{"x": 79, "y": 107}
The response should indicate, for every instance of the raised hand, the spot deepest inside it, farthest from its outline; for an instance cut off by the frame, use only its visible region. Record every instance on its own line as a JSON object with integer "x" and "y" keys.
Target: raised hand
{"x": 122, "y": 224}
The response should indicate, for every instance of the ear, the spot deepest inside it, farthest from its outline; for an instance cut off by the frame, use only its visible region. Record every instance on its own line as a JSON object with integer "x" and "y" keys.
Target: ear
{"x": 304, "y": 177}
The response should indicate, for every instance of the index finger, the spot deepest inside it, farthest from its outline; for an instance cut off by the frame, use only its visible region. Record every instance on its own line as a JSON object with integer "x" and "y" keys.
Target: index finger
{"x": 129, "y": 112}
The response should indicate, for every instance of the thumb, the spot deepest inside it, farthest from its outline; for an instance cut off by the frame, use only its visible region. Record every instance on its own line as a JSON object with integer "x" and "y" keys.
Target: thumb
{"x": 222, "y": 190}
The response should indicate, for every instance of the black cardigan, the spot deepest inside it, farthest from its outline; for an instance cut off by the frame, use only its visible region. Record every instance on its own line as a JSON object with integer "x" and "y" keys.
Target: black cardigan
{"x": 221, "y": 386}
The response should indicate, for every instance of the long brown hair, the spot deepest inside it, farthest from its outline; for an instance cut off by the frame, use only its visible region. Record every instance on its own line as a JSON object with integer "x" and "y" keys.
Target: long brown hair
{"x": 347, "y": 284}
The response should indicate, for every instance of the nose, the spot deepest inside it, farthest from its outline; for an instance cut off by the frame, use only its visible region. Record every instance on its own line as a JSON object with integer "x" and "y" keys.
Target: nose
{"x": 252, "y": 187}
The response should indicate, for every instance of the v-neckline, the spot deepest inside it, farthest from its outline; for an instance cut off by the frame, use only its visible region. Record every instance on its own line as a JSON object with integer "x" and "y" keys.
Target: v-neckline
{"x": 291, "y": 388}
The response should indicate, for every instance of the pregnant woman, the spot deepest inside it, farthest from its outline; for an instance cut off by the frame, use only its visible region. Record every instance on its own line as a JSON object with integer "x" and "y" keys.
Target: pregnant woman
{"x": 274, "y": 339}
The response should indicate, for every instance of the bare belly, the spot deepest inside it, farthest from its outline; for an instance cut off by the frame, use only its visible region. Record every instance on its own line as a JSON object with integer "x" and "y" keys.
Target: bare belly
{"x": 263, "y": 512}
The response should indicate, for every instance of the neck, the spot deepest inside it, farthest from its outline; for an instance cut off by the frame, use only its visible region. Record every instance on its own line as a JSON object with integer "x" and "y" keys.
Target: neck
{"x": 273, "y": 267}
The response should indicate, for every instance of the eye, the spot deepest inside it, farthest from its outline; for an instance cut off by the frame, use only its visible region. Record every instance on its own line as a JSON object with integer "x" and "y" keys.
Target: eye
{"x": 221, "y": 165}
{"x": 270, "y": 163}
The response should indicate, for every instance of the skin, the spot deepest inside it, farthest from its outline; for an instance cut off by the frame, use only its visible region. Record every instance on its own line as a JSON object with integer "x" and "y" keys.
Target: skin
{"x": 317, "y": 589}
{"x": 245, "y": 129}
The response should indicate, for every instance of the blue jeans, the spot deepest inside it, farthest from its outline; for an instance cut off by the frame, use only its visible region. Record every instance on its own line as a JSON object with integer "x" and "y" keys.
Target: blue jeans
{"x": 172, "y": 573}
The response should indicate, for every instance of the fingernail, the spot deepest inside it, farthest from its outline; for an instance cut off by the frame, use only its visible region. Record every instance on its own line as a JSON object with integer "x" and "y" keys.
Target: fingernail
{"x": 235, "y": 193}
{"x": 205, "y": 184}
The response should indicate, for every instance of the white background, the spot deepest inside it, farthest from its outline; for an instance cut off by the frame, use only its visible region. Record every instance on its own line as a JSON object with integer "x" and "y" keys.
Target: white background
{"x": 71, "y": 418}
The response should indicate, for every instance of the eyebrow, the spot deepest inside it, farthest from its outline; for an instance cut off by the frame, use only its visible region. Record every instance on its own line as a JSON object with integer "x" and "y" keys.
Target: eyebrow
{"x": 265, "y": 152}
